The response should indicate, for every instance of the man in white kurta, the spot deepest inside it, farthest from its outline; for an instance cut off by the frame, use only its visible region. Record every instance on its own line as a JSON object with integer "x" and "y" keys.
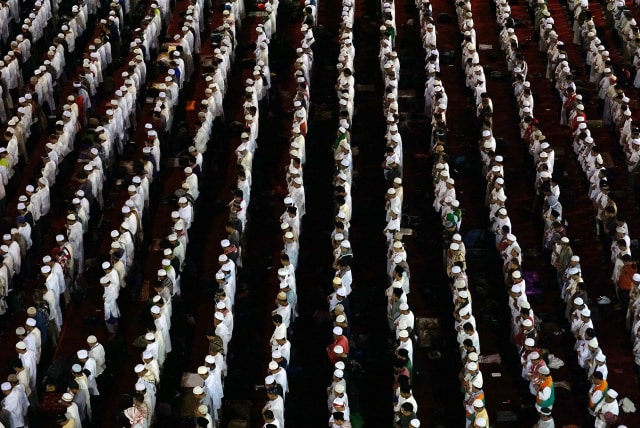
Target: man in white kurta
{"x": 28, "y": 359}
{"x": 76, "y": 239}
{"x": 13, "y": 404}
{"x": 213, "y": 387}
{"x": 110, "y": 303}
{"x": 162, "y": 327}
{"x": 90, "y": 365}
{"x": 608, "y": 405}
{"x": 72, "y": 409}
{"x": 96, "y": 352}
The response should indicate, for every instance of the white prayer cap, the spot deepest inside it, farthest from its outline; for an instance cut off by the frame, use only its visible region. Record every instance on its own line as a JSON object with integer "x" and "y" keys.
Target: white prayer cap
{"x": 415, "y": 423}
{"x": 612, "y": 393}
{"x": 578, "y": 301}
{"x": 601, "y": 357}
{"x": 155, "y": 310}
{"x": 516, "y": 274}
{"x": 529, "y": 342}
{"x": 45, "y": 269}
{"x": 593, "y": 343}
{"x": 140, "y": 386}
{"x": 337, "y": 331}
{"x": 139, "y": 368}
{"x": 82, "y": 354}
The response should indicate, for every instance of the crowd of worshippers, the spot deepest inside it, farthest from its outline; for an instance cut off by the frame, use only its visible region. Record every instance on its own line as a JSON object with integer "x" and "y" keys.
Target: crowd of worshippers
{"x": 611, "y": 225}
{"x": 445, "y": 201}
{"x": 286, "y": 304}
{"x": 602, "y": 406}
{"x": 29, "y": 92}
{"x": 401, "y": 320}
{"x": 209, "y": 396}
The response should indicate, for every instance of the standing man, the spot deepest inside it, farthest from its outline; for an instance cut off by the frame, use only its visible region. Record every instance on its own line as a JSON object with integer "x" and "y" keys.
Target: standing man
{"x": 15, "y": 404}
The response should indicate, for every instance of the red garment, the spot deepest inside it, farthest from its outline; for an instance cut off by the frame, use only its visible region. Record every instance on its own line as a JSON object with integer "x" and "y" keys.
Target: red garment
{"x": 534, "y": 377}
{"x": 569, "y": 102}
{"x": 342, "y": 341}
{"x": 625, "y": 282}
{"x": 527, "y": 133}
{"x": 574, "y": 122}
{"x": 503, "y": 244}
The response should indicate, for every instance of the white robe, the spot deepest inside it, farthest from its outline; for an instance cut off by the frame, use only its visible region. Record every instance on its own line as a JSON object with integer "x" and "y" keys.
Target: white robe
{"x": 29, "y": 362}
{"x": 277, "y": 407}
{"x": 91, "y": 366}
{"x": 98, "y": 355}
{"x": 14, "y": 405}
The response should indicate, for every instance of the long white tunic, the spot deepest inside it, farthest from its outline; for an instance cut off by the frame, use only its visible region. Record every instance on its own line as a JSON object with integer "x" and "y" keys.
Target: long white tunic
{"x": 98, "y": 355}
{"x": 28, "y": 359}
{"x": 13, "y": 404}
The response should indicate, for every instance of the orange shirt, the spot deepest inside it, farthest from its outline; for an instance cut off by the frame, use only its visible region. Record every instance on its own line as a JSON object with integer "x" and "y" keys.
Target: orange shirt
{"x": 603, "y": 387}
{"x": 625, "y": 282}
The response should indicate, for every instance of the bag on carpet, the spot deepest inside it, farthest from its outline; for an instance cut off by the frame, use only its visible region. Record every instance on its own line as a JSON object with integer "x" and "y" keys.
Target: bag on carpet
{"x": 448, "y": 56}
{"x": 473, "y": 238}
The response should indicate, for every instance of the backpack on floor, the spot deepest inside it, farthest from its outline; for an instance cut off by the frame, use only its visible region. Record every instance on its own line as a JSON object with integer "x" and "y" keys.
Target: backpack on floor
{"x": 473, "y": 238}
